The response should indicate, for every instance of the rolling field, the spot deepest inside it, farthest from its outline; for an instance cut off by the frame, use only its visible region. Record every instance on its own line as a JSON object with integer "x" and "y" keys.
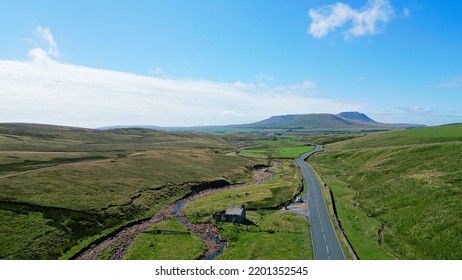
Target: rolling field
{"x": 430, "y": 135}
{"x": 287, "y": 147}
{"x": 276, "y": 152}
{"x": 165, "y": 246}
{"x": 266, "y": 234}
{"x": 271, "y": 235}
{"x": 283, "y": 186}
{"x": 398, "y": 193}
{"x": 61, "y": 188}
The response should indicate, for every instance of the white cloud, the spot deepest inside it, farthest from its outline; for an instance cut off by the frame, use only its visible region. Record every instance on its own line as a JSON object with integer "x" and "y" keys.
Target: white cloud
{"x": 454, "y": 83}
{"x": 306, "y": 86}
{"x": 406, "y": 12}
{"x": 65, "y": 94}
{"x": 45, "y": 33}
{"x": 356, "y": 22}
{"x": 158, "y": 71}
{"x": 415, "y": 110}
{"x": 228, "y": 113}
{"x": 42, "y": 90}
{"x": 408, "y": 115}
{"x": 263, "y": 77}
{"x": 39, "y": 55}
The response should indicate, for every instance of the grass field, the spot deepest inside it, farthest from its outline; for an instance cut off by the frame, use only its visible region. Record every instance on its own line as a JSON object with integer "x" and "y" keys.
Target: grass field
{"x": 272, "y": 235}
{"x": 26, "y": 239}
{"x": 276, "y": 152}
{"x": 69, "y": 185}
{"x": 267, "y": 234}
{"x": 166, "y": 246}
{"x": 280, "y": 188}
{"x": 410, "y": 181}
{"x": 287, "y": 147}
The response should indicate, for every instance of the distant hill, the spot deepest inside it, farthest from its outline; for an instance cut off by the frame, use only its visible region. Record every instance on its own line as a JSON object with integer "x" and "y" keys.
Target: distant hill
{"x": 46, "y": 138}
{"x": 42, "y": 131}
{"x": 425, "y": 135}
{"x": 305, "y": 122}
{"x": 345, "y": 121}
{"x": 356, "y": 116}
{"x": 342, "y": 122}
{"x": 129, "y": 126}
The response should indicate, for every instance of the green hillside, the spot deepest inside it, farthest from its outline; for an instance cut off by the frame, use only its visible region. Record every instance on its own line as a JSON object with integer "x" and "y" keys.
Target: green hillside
{"x": 409, "y": 182}
{"x": 62, "y": 187}
{"x": 436, "y": 134}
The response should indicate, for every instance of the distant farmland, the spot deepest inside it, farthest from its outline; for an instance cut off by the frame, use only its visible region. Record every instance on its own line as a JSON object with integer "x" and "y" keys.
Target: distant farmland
{"x": 276, "y": 152}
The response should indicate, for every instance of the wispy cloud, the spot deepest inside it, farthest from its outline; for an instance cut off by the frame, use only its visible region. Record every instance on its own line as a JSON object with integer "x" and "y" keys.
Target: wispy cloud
{"x": 44, "y": 90}
{"x": 304, "y": 87}
{"x": 354, "y": 22}
{"x": 417, "y": 115}
{"x": 415, "y": 110}
{"x": 81, "y": 96}
{"x": 45, "y": 33}
{"x": 406, "y": 12}
{"x": 264, "y": 77}
{"x": 454, "y": 83}
{"x": 157, "y": 71}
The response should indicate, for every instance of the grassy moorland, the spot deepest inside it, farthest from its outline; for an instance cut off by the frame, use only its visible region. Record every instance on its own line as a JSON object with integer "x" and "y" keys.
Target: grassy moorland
{"x": 267, "y": 234}
{"x": 427, "y": 135}
{"x": 61, "y": 187}
{"x": 407, "y": 181}
{"x": 282, "y": 187}
{"x": 166, "y": 246}
{"x": 324, "y": 139}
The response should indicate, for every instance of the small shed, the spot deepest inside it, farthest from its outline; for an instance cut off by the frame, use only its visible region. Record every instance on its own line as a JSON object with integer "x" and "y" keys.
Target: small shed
{"x": 232, "y": 214}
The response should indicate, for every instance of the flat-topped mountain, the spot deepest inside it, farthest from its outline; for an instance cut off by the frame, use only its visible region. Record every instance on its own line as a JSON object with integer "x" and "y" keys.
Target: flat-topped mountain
{"x": 360, "y": 117}
{"x": 345, "y": 121}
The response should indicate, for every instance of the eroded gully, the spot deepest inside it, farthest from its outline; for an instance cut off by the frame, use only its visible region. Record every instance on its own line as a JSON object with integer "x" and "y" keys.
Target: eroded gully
{"x": 118, "y": 244}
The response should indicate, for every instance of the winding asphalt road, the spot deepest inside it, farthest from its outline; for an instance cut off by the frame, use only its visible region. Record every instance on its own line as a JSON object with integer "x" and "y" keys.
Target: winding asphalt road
{"x": 325, "y": 243}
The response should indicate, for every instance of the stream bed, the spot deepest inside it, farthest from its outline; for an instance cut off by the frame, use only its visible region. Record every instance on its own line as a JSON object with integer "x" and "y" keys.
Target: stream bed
{"x": 120, "y": 242}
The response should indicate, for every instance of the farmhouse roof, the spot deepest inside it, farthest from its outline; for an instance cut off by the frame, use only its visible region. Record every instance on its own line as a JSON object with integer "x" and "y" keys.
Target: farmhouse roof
{"x": 234, "y": 211}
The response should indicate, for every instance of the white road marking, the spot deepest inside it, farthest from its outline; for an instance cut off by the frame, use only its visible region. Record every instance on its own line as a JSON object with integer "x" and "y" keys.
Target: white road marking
{"x": 315, "y": 193}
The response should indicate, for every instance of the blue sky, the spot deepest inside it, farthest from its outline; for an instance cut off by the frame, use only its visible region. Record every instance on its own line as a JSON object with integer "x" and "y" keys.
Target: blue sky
{"x": 204, "y": 62}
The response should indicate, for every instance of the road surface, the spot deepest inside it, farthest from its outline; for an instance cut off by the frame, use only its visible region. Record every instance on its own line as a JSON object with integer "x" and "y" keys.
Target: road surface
{"x": 325, "y": 243}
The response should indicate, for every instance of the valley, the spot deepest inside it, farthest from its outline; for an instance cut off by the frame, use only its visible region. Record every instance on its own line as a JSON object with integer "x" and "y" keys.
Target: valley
{"x": 52, "y": 208}
{"x": 65, "y": 190}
